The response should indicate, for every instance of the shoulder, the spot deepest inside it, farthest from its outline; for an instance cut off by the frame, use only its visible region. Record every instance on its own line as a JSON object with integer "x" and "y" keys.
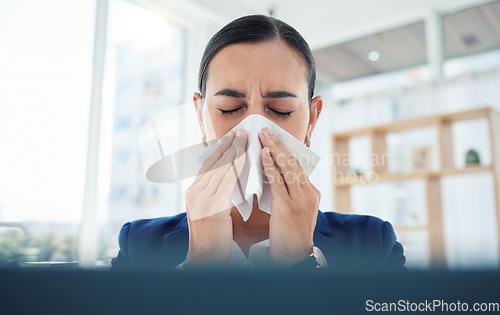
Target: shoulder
{"x": 362, "y": 240}
{"x": 142, "y": 241}
{"x": 353, "y": 224}
{"x": 148, "y": 233}
{"x": 155, "y": 226}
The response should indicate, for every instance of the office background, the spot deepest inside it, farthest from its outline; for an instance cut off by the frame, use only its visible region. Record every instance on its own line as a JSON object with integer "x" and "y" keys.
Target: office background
{"x": 78, "y": 79}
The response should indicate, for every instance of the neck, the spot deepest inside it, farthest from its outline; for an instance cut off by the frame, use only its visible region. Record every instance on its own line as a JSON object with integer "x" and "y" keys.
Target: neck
{"x": 255, "y": 229}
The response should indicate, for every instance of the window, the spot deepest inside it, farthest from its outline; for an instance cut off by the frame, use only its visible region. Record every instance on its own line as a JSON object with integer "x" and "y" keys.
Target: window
{"x": 144, "y": 76}
{"x": 45, "y": 95}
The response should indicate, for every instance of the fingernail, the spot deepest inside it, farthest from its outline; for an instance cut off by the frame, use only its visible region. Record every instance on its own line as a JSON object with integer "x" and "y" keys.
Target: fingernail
{"x": 239, "y": 133}
{"x": 265, "y": 135}
{"x": 266, "y": 152}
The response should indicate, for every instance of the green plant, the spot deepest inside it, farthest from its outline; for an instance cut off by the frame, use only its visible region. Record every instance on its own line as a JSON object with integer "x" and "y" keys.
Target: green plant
{"x": 12, "y": 248}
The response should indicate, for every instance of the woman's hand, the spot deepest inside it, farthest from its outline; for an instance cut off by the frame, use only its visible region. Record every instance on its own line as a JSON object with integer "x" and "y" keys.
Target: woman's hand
{"x": 208, "y": 204}
{"x": 295, "y": 204}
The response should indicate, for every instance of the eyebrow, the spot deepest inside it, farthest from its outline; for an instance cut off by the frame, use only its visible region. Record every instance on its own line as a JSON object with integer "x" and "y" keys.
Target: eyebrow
{"x": 230, "y": 93}
{"x": 279, "y": 94}
{"x": 236, "y": 94}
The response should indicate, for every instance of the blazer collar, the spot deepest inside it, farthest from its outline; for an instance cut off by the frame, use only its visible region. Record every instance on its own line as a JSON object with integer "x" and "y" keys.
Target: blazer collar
{"x": 323, "y": 238}
{"x": 177, "y": 241}
{"x": 322, "y": 226}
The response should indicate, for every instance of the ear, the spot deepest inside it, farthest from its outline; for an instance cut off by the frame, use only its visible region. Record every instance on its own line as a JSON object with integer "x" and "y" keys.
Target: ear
{"x": 198, "y": 105}
{"x": 316, "y": 107}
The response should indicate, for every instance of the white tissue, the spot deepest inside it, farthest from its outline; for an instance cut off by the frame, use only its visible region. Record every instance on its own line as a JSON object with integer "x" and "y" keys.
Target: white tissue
{"x": 252, "y": 177}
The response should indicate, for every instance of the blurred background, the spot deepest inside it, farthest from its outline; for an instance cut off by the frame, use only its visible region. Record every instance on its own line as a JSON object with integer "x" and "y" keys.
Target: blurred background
{"x": 78, "y": 79}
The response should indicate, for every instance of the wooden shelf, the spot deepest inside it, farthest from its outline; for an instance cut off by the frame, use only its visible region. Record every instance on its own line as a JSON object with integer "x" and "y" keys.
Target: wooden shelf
{"x": 414, "y": 123}
{"x": 396, "y": 177}
{"x": 410, "y": 227}
{"x": 345, "y": 177}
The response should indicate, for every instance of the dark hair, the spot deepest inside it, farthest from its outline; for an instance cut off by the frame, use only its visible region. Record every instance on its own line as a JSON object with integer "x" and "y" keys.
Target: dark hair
{"x": 253, "y": 29}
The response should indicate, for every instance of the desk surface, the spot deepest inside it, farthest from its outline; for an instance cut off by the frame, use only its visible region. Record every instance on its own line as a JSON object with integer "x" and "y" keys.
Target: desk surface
{"x": 34, "y": 291}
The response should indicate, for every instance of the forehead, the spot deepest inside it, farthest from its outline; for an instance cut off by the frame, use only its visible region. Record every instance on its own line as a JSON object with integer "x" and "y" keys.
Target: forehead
{"x": 271, "y": 62}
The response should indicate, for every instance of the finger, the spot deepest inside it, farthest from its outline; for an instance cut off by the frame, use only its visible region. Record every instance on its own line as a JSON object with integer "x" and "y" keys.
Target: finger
{"x": 274, "y": 177}
{"x": 231, "y": 177}
{"x": 283, "y": 160}
{"x": 293, "y": 162}
{"x": 213, "y": 158}
{"x": 232, "y": 157}
{"x": 206, "y": 189}
{"x": 215, "y": 178}
{"x": 229, "y": 156}
{"x": 238, "y": 168}
{"x": 202, "y": 181}
{"x": 239, "y": 161}
{"x": 241, "y": 141}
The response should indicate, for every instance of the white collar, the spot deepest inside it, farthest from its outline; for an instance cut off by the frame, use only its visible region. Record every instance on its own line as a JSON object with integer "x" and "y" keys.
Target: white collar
{"x": 258, "y": 256}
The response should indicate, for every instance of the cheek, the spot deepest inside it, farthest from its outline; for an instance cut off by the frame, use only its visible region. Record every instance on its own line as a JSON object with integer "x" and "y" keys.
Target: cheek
{"x": 297, "y": 126}
{"x": 215, "y": 125}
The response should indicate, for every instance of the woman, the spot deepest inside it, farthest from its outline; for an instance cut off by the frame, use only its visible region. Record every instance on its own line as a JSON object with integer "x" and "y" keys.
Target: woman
{"x": 257, "y": 65}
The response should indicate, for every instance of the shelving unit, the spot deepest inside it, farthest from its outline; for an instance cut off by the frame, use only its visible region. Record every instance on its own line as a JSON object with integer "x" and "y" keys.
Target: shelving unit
{"x": 345, "y": 177}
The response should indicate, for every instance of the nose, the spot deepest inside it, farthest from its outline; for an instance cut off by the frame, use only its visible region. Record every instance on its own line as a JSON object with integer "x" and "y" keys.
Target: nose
{"x": 255, "y": 109}
{"x": 256, "y": 105}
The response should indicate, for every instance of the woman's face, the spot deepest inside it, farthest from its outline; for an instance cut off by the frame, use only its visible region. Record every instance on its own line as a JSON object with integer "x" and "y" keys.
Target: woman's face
{"x": 266, "y": 78}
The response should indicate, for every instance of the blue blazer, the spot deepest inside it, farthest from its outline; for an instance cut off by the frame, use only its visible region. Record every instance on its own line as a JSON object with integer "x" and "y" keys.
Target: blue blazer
{"x": 347, "y": 241}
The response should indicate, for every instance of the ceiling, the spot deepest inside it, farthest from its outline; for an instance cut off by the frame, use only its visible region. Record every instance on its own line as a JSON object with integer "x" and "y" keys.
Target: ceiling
{"x": 343, "y": 33}
{"x": 395, "y": 49}
{"x": 465, "y": 32}
{"x": 472, "y": 31}
{"x": 327, "y": 22}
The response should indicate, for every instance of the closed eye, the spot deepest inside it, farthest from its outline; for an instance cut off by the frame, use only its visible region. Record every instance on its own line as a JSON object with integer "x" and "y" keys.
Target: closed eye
{"x": 274, "y": 112}
{"x": 281, "y": 114}
{"x": 229, "y": 112}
